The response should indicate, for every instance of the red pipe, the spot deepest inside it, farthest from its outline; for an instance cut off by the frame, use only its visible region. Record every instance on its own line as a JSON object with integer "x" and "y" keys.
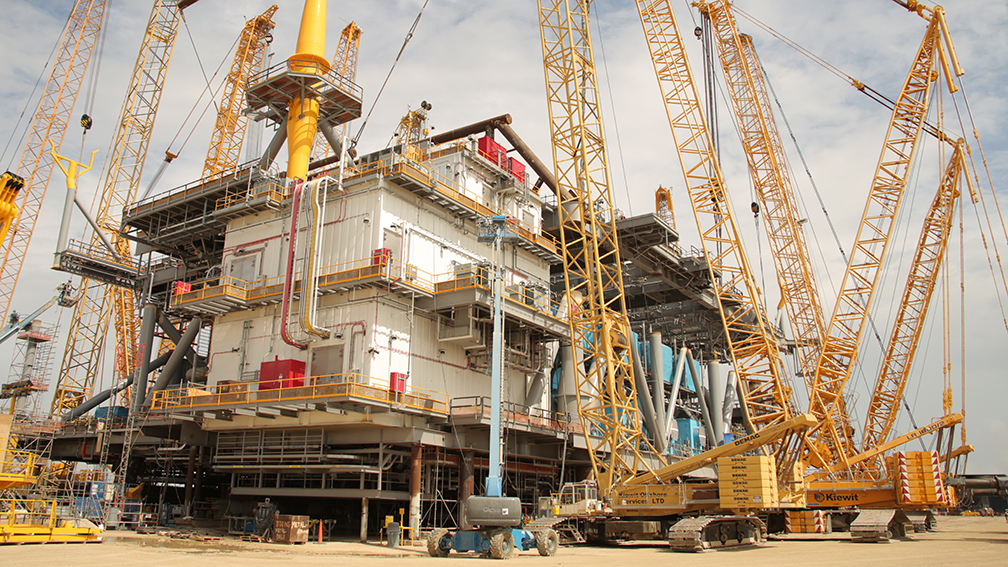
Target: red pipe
{"x": 289, "y": 279}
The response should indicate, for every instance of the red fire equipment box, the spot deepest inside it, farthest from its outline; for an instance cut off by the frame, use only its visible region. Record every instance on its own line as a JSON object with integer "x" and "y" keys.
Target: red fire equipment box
{"x": 517, "y": 169}
{"x": 493, "y": 151}
{"x": 276, "y": 373}
{"x": 381, "y": 256}
{"x": 397, "y": 382}
{"x": 182, "y": 287}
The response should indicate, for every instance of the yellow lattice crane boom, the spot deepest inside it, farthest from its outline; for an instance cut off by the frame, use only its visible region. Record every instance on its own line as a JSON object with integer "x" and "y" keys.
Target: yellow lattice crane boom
{"x": 632, "y": 477}
{"x": 229, "y": 128}
{"x": 753, "y": 350}
{"x": 772, "y": 182}
{"x": 48, "y": 125}
{"x": 344, "y": 64}
{"x": 88, "y": 328}
{"x": 599, "y": 326}
{"x": 913, "y": 307}
{"x": 857, "y": 290}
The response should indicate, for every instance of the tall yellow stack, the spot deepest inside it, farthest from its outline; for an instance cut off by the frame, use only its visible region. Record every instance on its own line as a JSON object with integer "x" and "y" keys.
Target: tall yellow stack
{"x": 747, "y": 482}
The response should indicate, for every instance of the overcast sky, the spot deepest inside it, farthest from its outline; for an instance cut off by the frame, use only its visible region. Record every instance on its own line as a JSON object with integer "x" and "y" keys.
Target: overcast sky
{"x": 474, "y": 59}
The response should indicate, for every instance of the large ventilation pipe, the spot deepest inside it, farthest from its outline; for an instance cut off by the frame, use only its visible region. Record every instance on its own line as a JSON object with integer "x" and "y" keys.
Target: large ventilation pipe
{"x": 568, "y": 391}
{"x": 173, "y": 334}
{"x": 644, "y": 399}
{"x": 544, "y": 173}
{"x": 676, "y": 383}
{"x": 658, "y": 382}
{"x": 147, "y": 322}
{"x": 336, "y": 144}
{"x": 276, "y": 143}
{"x": 97, "y": 400}
{"x": 474, "y": 128}
{"x": 729, "y": 397}
{"x": 104, "y": 395}
{"x": 699, "y": 389}
{"x": 536, "y": 389}
{"x": 714, "y": 400}
{"x": 176, "y": 358}
{"x": 502, "y": 124}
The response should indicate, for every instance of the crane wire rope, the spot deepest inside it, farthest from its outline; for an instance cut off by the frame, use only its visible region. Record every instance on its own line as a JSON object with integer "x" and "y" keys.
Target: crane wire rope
{"x": 612, "y": 106}
{"x": 207, "y": 88}
{"x": 409, "y": 36}
{"x": 169, "y": 155}
{"x": 185, "y": 24}
{"x": 31, "y": 97}
{"x": 815, "y": 187}
{"x": 873, "y": 94}
{"x": 92, "y": 85}
{"x": 980, "y": 194}
{"x": 962, "y": 316}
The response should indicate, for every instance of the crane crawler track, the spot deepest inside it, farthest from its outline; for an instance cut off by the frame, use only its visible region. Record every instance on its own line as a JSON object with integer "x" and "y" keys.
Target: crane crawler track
{"x": 704, "y": 533}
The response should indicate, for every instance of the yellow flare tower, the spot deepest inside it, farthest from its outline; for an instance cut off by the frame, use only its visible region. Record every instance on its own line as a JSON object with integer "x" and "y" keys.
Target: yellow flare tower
{"x": 304, "y": 91}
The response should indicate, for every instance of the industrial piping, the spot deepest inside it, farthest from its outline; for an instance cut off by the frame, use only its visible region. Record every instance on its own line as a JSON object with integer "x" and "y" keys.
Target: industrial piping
{"x": 176, "y": 358}
{"x": 289, "y": 279}
{"x": 644, "y": 399}
{"x": 502, "y": 124}
{"x": 100, "y": 398}
{"x": 698, "y": 387}
{"x": 658, "y": 383}
{"x": 676, "y": 383}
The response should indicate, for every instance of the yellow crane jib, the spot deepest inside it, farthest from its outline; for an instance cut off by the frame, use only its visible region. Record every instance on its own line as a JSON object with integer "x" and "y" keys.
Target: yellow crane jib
{"x": 941, "y": 423}
{"x": 762, "y": 437}
{"x": 10, "y": 185}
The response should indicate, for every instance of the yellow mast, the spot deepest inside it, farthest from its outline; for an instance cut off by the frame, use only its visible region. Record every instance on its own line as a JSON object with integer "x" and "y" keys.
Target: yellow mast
{"x": 303, "y": 112}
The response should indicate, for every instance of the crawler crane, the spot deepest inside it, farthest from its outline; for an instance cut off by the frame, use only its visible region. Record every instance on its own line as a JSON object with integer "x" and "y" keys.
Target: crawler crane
{"x": 874, "y": 487}
{"x": 831, "y": 439}
{"x": 635, "y": 484}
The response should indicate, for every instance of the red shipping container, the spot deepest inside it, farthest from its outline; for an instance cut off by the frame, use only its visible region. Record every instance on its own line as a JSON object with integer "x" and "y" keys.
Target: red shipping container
{"x": 381, "y": 256}
{"x": 397, "y": 382}
{"x": 517, "y": 169}
{"x": 492, "y": 151}
{"x": 276, "y": 373}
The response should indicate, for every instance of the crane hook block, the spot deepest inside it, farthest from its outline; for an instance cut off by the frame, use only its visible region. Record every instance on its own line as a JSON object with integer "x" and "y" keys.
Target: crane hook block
{"x": 86, "y": 122}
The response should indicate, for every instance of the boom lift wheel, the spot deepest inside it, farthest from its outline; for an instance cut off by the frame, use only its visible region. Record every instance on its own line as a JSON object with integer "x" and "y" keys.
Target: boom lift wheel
{"x": 547, "y": 542}
{"x": 502, "y": 544}
{"x": 434, "y": 547}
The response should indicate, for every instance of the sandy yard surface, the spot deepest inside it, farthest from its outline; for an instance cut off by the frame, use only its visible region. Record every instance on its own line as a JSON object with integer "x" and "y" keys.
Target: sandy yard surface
{"x": 972, "y": 542}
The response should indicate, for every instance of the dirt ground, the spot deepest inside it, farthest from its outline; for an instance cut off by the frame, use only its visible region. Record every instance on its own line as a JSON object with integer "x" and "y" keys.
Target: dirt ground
{"x": 959, "y": 541}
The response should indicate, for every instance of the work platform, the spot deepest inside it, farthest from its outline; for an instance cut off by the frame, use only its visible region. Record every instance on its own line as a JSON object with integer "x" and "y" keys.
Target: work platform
{"x": 346, "y": 392}
{"x": 193, "y": 218}
{"x": 652, "y": 244}
{"x": 270, "y": 91}
{"x": 95, "y": 262}
{"x": 535, "y": 423}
